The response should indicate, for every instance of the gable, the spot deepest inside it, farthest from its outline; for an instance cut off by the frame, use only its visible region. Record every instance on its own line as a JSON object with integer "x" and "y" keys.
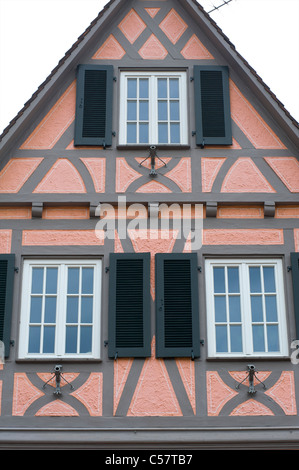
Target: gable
{"x": 151, "y": 38}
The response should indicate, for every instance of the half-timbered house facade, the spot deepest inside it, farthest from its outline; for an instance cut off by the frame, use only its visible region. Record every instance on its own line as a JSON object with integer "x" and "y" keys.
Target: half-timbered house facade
{"x": 149, "y": 245}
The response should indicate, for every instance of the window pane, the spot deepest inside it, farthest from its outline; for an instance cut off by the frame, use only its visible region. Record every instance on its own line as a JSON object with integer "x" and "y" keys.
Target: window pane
{"x": 233, "y": 279}
{"x": 49, "y": 339}
{"x": 255, "y": 279}
{"x": 85, "y": 339}
{"x": 174, "y": 110}
{"x": 50, "y": 309}
{"x": 86, "y": 309}
{"x": 37, "y": 280}
{"x": 36, "y": 309}
{"x": 143, "y": 110}
{"x": 220, "y": 308}
{"x": 132, "y": 88}
{"x": 258, "y": 338}
{"x": 273, "y": 338}
{"x": 34, "y": 339}
{"x": 271, "y": 308}
{"x": 143, "y": 88}
{"x": 163, "y": 133}
{"x": 236, "y": 338}
{"x": 143, "y": 133}
{"x": 234, "y": 308}
{"x": 269, "y": 279}
{"x": 87, "y": 280}
{"x": 131, "y": 133}
{"x": 162, "y": 111}
{"x": 221, "y": 339}
{"x": 71, "y": 339}
{"x": 257, "y": 308}
{"x": 162, "y": 88}
{"x": 51, "y": 280}
{"x": 219, "y": 280}
{"x": 132, "y": 111}
{"x": 175, "y": 133}
{"x": 174, "y": 88}
{"x": 72, "y": 310}
{"x": 73, "y": 280}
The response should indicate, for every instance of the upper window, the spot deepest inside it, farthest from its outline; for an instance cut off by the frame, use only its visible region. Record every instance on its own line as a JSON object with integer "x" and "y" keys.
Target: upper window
{"x": 245, "y": 308}
{"x": 153, "y": 108}
{"x": 60, "y": 314}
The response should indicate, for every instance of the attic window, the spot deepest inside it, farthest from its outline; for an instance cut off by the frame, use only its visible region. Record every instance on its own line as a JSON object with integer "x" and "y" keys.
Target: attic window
{"x": 153, "y": 108}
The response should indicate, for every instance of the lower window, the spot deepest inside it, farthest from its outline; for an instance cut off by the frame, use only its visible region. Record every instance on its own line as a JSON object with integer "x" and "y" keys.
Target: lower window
{"x": 60, "y": 315}
{"x": 245, "y": 308}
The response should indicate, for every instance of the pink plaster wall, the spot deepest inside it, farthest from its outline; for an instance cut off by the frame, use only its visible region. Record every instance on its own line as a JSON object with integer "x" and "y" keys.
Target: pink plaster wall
{"x": 61, "y": 238}
{"x": 5, "y": 241}
{"x": 243, "y": 237}
{"x": 63, "y": 177}
{"x": 55, "y": 123}
{"x": 16, "y": 172}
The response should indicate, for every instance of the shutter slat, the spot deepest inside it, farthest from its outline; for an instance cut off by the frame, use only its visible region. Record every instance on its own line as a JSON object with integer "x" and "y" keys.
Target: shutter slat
{"x": 212, "y": 105}
{"x": 177, "y": 305}
{"x": 129, "y": 305}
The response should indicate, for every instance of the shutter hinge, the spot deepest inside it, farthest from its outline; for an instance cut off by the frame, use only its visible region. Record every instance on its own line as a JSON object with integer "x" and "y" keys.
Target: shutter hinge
{"x": 16, "y": 269}
{"x": 115, "y": 79}
{"x": 107, "y": 269}
{"x": 199, "y": 268}
{"x": 193, "y": 133}
{"x": 289, "y": 268}
{"x": 191, "y": 79}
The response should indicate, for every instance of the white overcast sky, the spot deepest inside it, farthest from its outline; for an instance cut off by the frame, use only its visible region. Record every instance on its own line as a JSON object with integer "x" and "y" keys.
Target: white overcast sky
{"x": 35, "y": 34}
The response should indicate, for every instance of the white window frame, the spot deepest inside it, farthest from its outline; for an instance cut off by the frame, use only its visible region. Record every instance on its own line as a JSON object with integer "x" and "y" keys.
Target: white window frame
{"x": 153, "y": 105}
{"x": 247, "y": 337}
{"x": 60, "y": 334}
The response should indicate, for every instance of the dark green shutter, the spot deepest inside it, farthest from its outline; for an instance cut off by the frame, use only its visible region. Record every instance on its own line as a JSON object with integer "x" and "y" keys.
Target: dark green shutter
{"x": 129, "y": 305}
{"x": 7, "y": 265}
{"x": 212, "y": 105}
{"x": 177, "y": 312}
{"x": 93, "y": 125}
{"x": 295, "y": 276}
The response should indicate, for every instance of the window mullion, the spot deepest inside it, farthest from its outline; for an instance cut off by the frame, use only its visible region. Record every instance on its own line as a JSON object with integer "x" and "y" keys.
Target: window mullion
{"x": 264, "y": 308}
{"x": 183, "y": 111}
{"x": 61, "y": 310}
{"x": 79, "y": 310}
{"x": 153, "y": 110}
{"x": 246, "y": 309}
{"x": 41, "y": 346}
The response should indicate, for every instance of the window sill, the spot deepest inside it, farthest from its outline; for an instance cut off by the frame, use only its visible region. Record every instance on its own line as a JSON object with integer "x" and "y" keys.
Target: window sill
{"x": 158, "y": 147}
{"x": 248, "y": 359}
{"x": 57, "y": 360}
